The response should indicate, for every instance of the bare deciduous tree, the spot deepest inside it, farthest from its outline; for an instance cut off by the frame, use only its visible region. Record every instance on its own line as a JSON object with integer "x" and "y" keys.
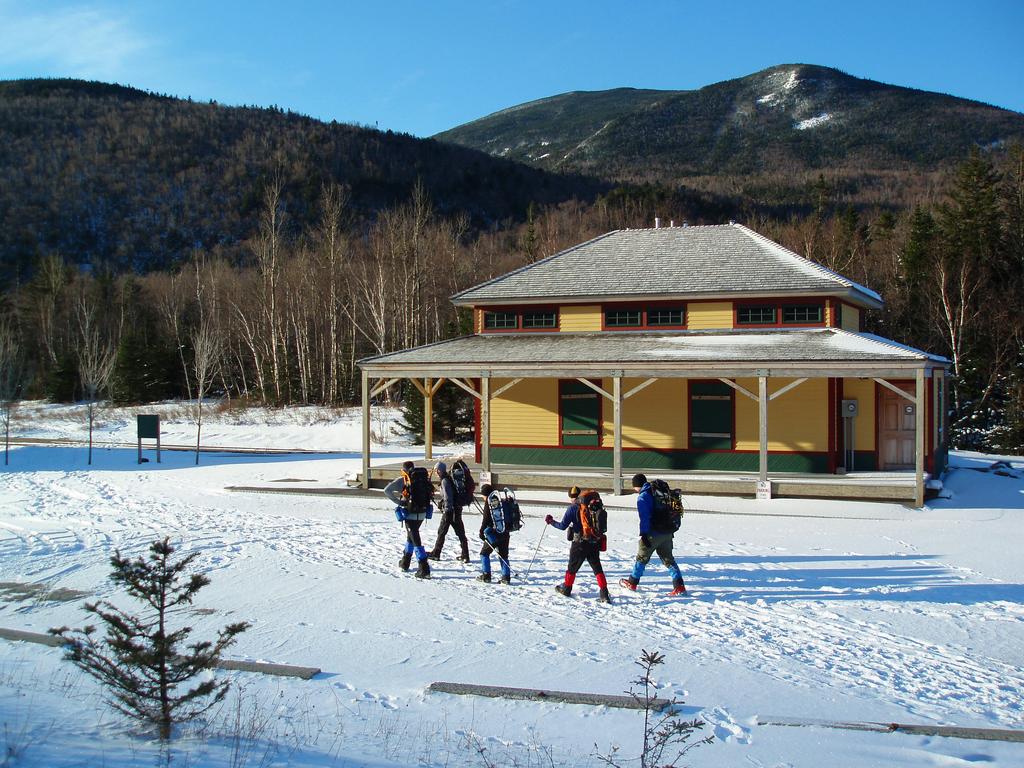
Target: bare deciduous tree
{"x": 96, "y": 353}
{"x": 10, "y": 378}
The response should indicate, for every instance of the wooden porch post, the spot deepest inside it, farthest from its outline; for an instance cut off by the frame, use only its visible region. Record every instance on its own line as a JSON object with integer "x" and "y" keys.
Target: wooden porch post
{"x": 762, "y": 427}
{"x": 617, "y": 440}
{"x": 428, "y": 420}
{"x": 485, "y": 423}
{"x": 366, "y": 431}
{"x": 919, "y": 441}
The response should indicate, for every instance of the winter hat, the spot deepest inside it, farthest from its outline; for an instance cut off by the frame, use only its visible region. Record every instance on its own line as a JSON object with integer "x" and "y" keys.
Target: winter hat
{"x": 441, "y": 468}
{"x": 639, "y": 480}
{"x": 408, "y": 466}
{"x": 574, "y": 492}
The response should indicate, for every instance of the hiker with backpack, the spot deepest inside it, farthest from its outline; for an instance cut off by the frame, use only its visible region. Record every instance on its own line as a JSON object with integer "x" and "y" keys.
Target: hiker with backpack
{"x": 412, "y": 492}
{"x": 501, "y": 517}
{"x": 660, "y": 512}
{"x": 586, "y": 520}
{"x": 455, "y": 486}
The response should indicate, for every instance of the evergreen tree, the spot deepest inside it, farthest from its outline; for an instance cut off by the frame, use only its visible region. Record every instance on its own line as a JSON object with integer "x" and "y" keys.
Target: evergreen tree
{"x": 969, "y": 227}
{"x": 141, "y": 661}
{"x": 141, "y": 370}
{"x": 62, "y": 378}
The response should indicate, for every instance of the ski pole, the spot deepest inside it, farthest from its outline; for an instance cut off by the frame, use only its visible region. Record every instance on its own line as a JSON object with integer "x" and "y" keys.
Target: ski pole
{"x": 530, "y": 568}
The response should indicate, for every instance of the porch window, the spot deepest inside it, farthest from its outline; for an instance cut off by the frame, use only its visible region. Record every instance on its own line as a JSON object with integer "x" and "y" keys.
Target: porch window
{"x": 712, "y": 416}
{"x": 803, "y": 313}
{"x": 666, "y": 316}
{"x": 540, "y": 320}
{"x": 756, "y": 315}
{"x": 500, "y": 321}
{"x": 623, "y": 318}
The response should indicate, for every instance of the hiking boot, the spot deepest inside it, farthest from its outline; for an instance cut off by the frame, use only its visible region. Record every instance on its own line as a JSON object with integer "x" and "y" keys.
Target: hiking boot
{"x": 629, "y": 583}
{"x": 678, "y": 588}
{"x": 604, "y": 597}
{"x": 405, "y": 561}
{"x": 464, "y": 557}
{"x": 484, "y": 577}
{"x": 433, "y": 555}
{"x": 562, "y": 589}
{"x": 423, "y": 572}
{"x": 505, "y": 580}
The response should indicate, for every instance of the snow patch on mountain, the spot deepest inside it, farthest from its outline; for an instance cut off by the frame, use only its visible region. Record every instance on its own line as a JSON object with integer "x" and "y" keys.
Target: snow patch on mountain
{"x": 812, "y": 122}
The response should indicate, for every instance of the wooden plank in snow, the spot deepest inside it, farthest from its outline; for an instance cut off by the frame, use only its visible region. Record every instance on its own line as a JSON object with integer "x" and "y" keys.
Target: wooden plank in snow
{"x": 537, "y": 694}
{"x": 263, "y": 668}
{"x": 948, "y": 731}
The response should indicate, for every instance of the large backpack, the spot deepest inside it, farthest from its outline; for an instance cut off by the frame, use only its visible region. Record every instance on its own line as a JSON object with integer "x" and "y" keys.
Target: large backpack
{"x": 668, "y": 507}
{"x": 419, "y": 491}
{"x": 505, "y": 514}
{"x": 463, "y": 481}
{"x": 593, "y": 517}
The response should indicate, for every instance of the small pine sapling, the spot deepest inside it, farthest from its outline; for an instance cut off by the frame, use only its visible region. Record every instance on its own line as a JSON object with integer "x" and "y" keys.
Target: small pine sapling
{"x": 665, "y": 731}
{"x": 141, "y": 661}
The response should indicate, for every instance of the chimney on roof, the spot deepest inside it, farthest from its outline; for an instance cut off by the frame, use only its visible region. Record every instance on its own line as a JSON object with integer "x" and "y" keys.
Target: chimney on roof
{"x": 671, "y": 223}
{"x": 731, "y": 223}
{"x": 657, "y": 223}
{"x": 686, "y": 223}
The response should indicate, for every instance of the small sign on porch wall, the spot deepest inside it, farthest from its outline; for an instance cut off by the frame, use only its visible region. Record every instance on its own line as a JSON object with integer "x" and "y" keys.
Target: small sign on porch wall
{"x": 764, "y": 490}
{"x": 485, "y": 478}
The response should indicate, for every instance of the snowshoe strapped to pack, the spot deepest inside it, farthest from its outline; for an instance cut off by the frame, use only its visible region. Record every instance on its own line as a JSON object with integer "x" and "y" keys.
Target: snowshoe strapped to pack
{"x": 505, "y": 511}
{"x": 418, "y": 491}
{"x": 593, "y": 517}
{"x": 668, "y": 507}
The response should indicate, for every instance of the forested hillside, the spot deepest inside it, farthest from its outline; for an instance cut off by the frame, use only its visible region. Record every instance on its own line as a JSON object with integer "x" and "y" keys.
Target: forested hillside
{"x": 103, "y": 174}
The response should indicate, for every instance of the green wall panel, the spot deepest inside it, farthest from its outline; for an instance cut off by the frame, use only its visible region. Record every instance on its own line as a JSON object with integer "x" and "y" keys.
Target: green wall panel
{"x": 668, "y": 460}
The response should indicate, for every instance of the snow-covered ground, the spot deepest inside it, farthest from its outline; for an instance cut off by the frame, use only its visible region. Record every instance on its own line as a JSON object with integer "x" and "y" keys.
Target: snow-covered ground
{"x": 814, "y": 610}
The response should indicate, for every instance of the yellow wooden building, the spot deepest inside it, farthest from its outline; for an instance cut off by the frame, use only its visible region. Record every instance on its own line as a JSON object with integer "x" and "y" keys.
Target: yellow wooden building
{"x": 709, "y": 353}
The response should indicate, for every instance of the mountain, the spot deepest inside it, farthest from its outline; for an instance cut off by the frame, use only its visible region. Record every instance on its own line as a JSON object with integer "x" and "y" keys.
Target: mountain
{"x": 102, "y": 173}
{"x": 765, "y": 136}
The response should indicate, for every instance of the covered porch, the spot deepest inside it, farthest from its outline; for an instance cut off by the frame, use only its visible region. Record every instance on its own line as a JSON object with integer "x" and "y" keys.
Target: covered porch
{"x": 617, "y": 367}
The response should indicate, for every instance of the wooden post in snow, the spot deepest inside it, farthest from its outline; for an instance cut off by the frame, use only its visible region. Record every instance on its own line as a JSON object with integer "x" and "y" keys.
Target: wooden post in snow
{"x": 919, "y": 438}
{"x": 617, "y": 439}
{"x": 485, "y": 423}
{"x": 366, "y": 431}
{"x": 762, "y": 427}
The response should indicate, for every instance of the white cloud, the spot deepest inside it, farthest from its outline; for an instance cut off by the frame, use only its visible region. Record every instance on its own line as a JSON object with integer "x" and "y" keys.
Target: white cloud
{"x": 76, "y": 41}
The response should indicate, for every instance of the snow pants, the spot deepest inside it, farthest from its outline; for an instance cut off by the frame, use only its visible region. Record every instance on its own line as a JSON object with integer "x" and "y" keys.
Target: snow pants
{"x": 662, "y": 544}
{"x": 590, "y": 551}
{"x": 501, "y": 545}
{"x": 412, "y": 534}
{"x": 451, "y": 519}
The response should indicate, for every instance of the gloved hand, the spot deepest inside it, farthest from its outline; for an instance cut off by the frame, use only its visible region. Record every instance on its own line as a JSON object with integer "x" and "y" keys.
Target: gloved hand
{"x": 645, "y": 540}
{"x": 548, "y": 520}
{"x": 490, "y": 536}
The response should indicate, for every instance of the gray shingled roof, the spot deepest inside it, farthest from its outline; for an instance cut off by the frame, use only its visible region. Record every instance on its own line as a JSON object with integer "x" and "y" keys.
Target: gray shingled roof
{"x": 672, "y": 262}
{"x": 684, "y": 347}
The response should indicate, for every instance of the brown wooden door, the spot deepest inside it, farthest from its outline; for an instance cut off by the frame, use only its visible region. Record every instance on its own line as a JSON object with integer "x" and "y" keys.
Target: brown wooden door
{"x": 896, "y": 430}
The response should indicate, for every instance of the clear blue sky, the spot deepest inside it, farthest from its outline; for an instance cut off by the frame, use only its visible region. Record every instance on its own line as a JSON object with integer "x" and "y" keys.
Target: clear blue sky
{"x": 422, "y": 67}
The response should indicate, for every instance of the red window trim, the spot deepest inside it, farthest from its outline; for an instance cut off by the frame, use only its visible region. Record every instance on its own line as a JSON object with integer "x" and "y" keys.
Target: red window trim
{"x": 643, "y": 307}
{"x": 778, "y": 304}
{"x": 518, "y": 312}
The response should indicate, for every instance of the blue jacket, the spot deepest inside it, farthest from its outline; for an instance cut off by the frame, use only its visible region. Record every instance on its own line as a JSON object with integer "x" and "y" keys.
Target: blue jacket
{"x": 645, "y": 508}
{"x": 571, "y": 519}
